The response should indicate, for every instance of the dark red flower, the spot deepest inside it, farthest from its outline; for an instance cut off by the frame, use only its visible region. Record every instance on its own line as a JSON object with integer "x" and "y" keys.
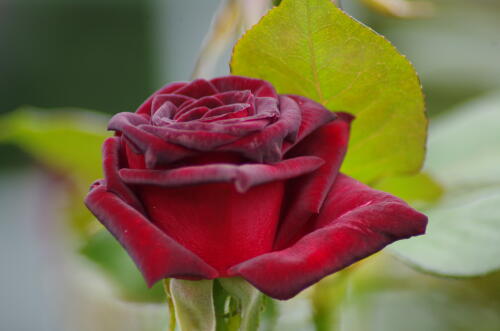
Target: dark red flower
{"x": 226, "y": 178}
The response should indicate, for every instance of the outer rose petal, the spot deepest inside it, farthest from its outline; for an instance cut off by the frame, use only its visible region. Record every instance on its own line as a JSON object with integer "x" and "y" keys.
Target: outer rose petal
{"x": 314, "y": 115}
{"x": 156, "y": 254}
{"x": 305, "y": 195}
{"x": 220, "y": 225}
{"x": 355, "y": 221}
{"x": 110, "y": 151}
{"x": 194, "y": 140}
{"x": 156, "y": 150}
{"x": 244, "y": 176}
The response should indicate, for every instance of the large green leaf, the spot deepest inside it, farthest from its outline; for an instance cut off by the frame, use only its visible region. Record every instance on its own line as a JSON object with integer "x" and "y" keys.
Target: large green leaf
{"x": 66, "y": 140}
{"x": 312, "y": 48}
{"x": 463, "y": 236}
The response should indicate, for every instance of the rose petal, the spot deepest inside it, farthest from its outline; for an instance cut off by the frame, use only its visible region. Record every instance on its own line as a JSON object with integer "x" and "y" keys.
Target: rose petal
{"x": 220, "y": 225}
{"x": 164, "y": 114}
{"x": 121, "y": 120}
{"x": 156, "y": 254}
{"x": 235, "y": 129}
{"x": 230, "y": 97}
{"x": 259, "y": 88}
{"x": 110, "y": 151}
{"x": 197, "y": 89}
{"x": 195, "y": 140}
{"x": 265, "y": 146}
{"x": 210, "y": 102}
{"x": 306, "y": 194}
{"x": 156, "y": 151}
{"x": 235, "y": 110}
{"x": 244, "y": 176}
{"x": 145, "y": 108}
{"x": 191, "y": 114}
{"x": 292, "y": 115}
{"x": 314, "y": 115}
{"x": 356, "y": 221}
{"x": 267, "y": 107}
{"x": 175, "y": 99}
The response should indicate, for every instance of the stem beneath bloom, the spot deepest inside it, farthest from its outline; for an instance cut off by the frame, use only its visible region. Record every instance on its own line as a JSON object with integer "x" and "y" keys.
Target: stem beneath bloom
{"x": 172, "y": 322}
{"x": 224, "y": 304}
{"x": 248, "y": 302}
{"x": 193, "y": 304}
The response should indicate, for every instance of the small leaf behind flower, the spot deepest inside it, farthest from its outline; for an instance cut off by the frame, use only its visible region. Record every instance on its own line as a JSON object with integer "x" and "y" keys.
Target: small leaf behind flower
{"x": 312, "y": 48}
{"x": 419, "y": 190}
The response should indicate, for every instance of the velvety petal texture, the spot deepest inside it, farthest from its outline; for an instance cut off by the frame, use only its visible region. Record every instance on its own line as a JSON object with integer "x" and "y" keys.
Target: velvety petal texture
{"x": 354, "y": 222}
{"x": 225, "y": 177}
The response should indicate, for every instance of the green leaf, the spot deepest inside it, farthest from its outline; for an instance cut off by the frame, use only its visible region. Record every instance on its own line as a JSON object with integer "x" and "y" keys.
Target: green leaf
{"x": 66, "y": 140}
{"x": 312, "y": 48}
{"x": 419, "y": 190}
{"x": 194, "y": 304}
{"x": 103, "y": 250}
{"x": 270, "y": 314}
{"x": 384, "y": 295}
{"x": 463, "y": 235}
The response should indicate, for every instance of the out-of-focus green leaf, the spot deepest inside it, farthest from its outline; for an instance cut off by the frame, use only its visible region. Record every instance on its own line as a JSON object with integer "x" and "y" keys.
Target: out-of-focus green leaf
{"x": 463, "y": 237}
{"x": 326, "y": 299}
{"x": 384, "y": 295}
{"x": 269, "y": 314}
{"x": 67, "y": 140}
{"x": 418, "y": 190}
{"x": 312, "y": 48}
{"x": 109, "y": 256}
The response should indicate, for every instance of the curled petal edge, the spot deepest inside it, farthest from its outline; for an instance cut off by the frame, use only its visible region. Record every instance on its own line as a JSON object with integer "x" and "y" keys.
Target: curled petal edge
{"x": 244, "y": 176}
{"x": 350, "y": 237}
{"x": 156, "y": 254}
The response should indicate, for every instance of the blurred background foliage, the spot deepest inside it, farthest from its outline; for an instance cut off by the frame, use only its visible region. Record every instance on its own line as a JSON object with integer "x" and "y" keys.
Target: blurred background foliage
{"x": 107, "y": 56}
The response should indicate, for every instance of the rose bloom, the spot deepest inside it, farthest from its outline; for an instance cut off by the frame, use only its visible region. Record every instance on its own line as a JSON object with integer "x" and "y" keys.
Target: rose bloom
{"x": 225, "y": 178}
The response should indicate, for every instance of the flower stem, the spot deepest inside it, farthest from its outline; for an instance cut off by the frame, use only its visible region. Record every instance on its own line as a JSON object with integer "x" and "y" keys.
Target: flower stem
{"x": 172, "y": 322}
{"x": 193, "y": 304}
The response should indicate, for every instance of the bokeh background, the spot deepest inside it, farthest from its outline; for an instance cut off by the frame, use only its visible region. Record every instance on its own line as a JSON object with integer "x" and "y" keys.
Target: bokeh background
{"x": 58, "y": 272}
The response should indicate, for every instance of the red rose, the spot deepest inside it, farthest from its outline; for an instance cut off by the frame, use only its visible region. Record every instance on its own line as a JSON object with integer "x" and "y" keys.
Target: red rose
{"x": 226, "y": 178}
